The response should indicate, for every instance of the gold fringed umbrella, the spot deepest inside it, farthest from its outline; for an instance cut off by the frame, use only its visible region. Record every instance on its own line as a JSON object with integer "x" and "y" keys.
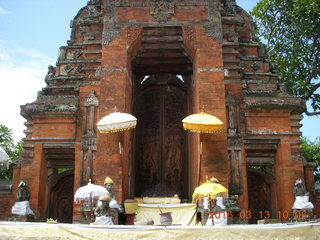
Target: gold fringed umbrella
{"x": 210, "y": 189}
{"x": 116, "y": 122}
{"x": 202, "y": 123}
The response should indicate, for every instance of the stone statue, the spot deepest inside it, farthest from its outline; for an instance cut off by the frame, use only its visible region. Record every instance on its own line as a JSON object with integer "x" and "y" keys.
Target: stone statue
{"x": 104, "y": 213}
{"x": 108, "y": 183}
{"x": 22, "y": 206}
{"x": 299, "y": 188}
{"x": 23, "y": 193}
{"x": 50, "y": 74}
{"x": 301, "y": 203}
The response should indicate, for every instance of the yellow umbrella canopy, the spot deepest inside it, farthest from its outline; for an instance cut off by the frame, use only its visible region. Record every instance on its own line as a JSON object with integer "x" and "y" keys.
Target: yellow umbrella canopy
{"x": 210, "y": 189}
{"x": 202, "y": 122}
{"x": 116, "y": 122}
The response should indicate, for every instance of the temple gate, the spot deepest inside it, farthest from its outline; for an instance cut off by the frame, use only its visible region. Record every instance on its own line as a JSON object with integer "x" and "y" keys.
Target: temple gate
{"x": 161, "y": 61}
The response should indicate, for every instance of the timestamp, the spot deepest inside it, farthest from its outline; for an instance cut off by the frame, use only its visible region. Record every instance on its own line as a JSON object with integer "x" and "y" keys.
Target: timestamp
{"x": 247, "y": 214}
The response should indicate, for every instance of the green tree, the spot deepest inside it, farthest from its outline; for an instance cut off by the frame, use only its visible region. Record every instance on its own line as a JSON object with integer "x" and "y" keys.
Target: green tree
{"x": 291, "y": 30}
{"x": 13, "y": 149}
{"x": 311, "y": 151}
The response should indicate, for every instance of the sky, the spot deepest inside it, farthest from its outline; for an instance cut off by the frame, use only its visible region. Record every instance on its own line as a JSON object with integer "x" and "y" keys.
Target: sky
{"x": 31, "y": 32}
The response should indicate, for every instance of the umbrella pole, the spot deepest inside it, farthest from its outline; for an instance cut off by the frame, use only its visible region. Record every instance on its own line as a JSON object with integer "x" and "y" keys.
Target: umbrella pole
{"x": 91, "y": 211}
{"x": 199, "y": 160}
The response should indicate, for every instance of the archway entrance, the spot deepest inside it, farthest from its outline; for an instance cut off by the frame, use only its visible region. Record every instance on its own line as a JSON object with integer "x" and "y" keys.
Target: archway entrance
{"x": 161, "y": 104}
{"x": 61, "y": 197}
{"x": 259, "y": 192}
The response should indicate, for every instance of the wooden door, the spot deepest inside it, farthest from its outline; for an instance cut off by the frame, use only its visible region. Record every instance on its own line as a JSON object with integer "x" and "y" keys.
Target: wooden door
{"x": 61, "y": 199}
{"x": 161, "y": 140}
{"x": 259, "y": 198}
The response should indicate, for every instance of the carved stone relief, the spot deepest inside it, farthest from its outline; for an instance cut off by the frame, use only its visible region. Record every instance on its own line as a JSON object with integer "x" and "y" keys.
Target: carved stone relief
{"x": 92, "y": 99}
{"x": 214, "y": 27}
{"x": 89, "y": 138}
{"x": 110, "y": 31}
{"x": 162, "y": 10}
{"x": 255, "y": 66}
{"x": 77, "y": 53}
{"x": 87, "y": 34}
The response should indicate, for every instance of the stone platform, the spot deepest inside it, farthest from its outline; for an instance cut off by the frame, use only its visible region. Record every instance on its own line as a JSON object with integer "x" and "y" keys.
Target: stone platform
{"x": 21, "y": 231}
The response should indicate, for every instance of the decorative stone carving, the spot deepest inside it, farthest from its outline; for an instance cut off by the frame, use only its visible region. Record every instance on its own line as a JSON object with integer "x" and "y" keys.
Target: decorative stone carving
{"x": 110, "y": 31}
{"x": 231, "y": 35}
{"x": 88, "y": 35}
{"x": 242, "y": 67}
{"x": 51, "y": 72}
{"x": 214, "y": 27}
{"x": 80, "y": 68}
{"x": 92, "y": 99}
{"x": 89, "y": 141}
{"x": 62, "y": 54}
{"x": 255, "y": 66}
{"x": 89, "y": 138}
{"x": 94, "y": 2}
{"x": 77, "y": 53}
{"x": 98, "y": 72}
{"x": 244, "y": 51}
{"x": 262, "y": 50}
{"x": 162, "y": 10}
{"x": 68, "y": 68}
{"x": 230, "y": 8}
{"x": 92, "y": 10}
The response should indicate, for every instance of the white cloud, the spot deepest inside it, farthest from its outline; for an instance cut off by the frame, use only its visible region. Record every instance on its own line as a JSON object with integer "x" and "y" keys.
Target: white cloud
{"x": 3, "y": 12}
{"x": 22, "y": 75}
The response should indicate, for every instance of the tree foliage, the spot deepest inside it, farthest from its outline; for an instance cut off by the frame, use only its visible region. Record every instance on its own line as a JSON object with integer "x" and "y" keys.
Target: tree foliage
{"x": 13, "y": 149}
{"x": 311, "y": 151}
{"x": 291, "y": 30}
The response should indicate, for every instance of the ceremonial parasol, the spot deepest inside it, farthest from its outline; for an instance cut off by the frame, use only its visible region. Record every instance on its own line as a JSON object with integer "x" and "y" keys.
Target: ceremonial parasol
{"x": 203, "y": 123}
{"x": 89, "y": 191}
{"x": 211, "y": 189}
{"x": 116, "y": 122}
{"x": 4, "y": 159}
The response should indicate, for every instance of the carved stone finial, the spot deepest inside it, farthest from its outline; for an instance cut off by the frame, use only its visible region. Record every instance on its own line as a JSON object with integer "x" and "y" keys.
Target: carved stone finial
{"x": 162, "y": 10}
{"x": 50, "y": 74}
{"x": 92, "y": 99}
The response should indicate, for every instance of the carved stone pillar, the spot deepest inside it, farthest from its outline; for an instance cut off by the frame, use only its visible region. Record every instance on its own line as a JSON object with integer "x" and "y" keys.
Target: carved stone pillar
{"x": 234, "y": 143}
{"x": 89, "y": 135}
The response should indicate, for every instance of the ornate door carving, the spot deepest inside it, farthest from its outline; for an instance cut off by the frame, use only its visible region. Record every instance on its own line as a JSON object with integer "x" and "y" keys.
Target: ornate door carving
{"x": 61, "y": 199}
{"x": 160, "y": 143}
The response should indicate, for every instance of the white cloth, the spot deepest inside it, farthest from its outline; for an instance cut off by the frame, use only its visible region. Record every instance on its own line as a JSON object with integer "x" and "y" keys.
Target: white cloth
{"x": 218, "y": 219}
{"x": 220, "y": 202}
{"x": 112, "y": 204}
{"x": 22, "y": 208}
{"x": 302, "y": 202}
{"x": 104, "y": 220}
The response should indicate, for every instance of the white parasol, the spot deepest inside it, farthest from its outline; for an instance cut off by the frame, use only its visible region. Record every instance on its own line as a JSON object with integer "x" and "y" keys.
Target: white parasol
{"x": 116, "y": 122}
{"x": 4, "y": 159}
{"x": 89, "y": 191}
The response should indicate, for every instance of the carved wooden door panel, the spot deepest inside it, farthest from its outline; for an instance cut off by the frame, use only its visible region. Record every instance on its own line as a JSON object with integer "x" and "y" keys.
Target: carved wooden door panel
{"x": 61, "y": 200}
{"x": 160, "y": 141}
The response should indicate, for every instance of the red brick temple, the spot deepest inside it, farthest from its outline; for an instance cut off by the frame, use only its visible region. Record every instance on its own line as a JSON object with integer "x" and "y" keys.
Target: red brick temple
{"x": 161, "y": 61}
